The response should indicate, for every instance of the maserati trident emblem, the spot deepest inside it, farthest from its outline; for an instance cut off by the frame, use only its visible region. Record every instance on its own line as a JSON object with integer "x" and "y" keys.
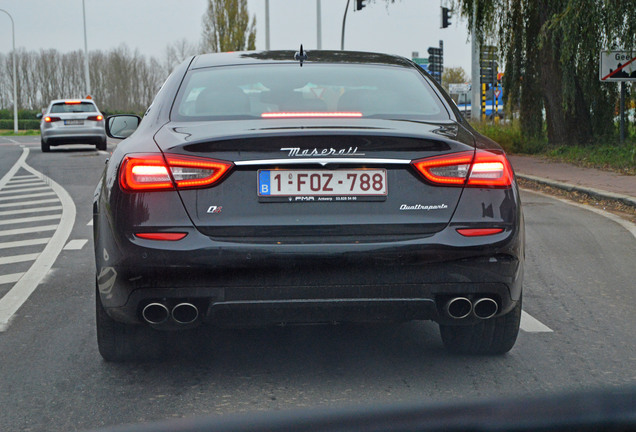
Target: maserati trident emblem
{"x": 316, "y": 152}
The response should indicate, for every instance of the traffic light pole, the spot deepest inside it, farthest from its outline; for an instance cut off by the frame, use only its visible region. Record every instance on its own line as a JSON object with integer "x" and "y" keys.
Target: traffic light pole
{"x": 344, "y": 21}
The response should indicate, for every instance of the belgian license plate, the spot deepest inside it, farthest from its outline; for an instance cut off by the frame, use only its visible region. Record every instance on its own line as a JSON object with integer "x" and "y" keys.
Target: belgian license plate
{"x": 73, "y": 122}
{"x": 323, "y": 185}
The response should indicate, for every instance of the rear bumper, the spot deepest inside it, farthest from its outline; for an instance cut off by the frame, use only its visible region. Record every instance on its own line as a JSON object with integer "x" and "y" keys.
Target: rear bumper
{"x": 73, "y": 135}
{"x": 235, "y": 284}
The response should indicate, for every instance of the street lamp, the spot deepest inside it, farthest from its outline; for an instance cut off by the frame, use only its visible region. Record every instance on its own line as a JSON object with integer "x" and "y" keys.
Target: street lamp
{"x": 88, "y": 77}
{"x": 15, "y": 77}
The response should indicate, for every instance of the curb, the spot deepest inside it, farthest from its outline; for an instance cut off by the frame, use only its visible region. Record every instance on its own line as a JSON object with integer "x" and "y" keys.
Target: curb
{"x": 598, "y": 193}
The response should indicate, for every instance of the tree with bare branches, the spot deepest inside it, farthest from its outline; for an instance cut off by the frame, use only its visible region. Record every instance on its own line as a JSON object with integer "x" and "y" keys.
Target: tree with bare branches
{"x": 226, "y": 27}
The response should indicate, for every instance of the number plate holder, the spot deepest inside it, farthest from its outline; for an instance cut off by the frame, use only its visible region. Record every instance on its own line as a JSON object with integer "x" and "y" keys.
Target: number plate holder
{"x": 304, "y": 185}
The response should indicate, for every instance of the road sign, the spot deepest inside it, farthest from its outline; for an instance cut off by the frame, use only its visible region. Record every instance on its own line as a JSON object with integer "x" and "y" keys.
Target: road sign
{"x": 497, "y": 93}
{"x": 617, "y": 66}
{"x": 458, "y": 88}
{"x": 420, "y": 60}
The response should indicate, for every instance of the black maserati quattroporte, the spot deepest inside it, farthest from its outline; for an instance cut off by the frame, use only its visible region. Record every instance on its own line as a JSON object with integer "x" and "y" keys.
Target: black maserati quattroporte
{"x": 294, "y": 187}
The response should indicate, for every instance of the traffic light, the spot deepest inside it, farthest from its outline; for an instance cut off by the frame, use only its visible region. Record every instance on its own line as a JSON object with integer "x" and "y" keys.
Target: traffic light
{"x": 488, "y": 72}
{"x": 360, "y": 4}
{"x": 436, "y": 61}
{"x": 446, "y": 16}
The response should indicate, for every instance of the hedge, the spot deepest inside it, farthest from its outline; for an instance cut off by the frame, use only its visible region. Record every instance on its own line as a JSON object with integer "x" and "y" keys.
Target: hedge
{"x": 22, "y": 124}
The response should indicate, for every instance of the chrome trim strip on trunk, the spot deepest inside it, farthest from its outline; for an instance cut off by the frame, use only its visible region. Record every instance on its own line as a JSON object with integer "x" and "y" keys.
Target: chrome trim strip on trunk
{"x": 323, "y": 161}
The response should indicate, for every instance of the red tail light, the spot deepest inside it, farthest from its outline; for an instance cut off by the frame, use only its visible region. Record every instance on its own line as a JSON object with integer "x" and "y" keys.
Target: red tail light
{"x": 73, "y": 102}
{"x": 150, "y": 172}
{"x": 162, "y": 236}
{"x": 477, "y": 232}
{"x": 96, "y": 118}
{"x": 49, "y": 119}
{"x": 479, "y": 169}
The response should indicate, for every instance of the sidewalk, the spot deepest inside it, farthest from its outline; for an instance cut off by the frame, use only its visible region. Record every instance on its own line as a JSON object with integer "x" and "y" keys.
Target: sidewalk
{"x": 603, "y": 184}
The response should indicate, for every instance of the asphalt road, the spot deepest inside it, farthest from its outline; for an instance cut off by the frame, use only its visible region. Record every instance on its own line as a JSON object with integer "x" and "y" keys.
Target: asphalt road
{"x": 578, "y": 332}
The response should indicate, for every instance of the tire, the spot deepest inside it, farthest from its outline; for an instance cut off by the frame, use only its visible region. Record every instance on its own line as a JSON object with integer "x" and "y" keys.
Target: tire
{"x": 495, "y": 336}
{"x": 102, "y": 145}
{"x": 45, "y": 146}
{"x": 119, "y": 342}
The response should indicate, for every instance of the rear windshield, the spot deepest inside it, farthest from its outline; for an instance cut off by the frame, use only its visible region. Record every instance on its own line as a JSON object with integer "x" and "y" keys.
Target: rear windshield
{"x": 253, "y": 91}
{"x": 64, "y": 107}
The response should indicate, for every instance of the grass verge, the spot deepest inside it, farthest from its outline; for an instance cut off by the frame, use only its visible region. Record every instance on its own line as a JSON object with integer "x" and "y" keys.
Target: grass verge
{"x": 603, "y": 154}
{"x": 20, "y": 133}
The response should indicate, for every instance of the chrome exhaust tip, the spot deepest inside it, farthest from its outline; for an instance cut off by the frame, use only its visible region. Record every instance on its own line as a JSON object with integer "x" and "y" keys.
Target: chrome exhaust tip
{"x": 155, "y": 313}
{"x": 185, "y": 313}
{"x": 485, "y": 308}
{"x": 458, "y": 307}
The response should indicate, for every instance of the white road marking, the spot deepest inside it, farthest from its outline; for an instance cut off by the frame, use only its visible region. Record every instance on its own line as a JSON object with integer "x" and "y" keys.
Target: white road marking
{"x": 22, "y": 243}
{"x": 9, "y": 192}
{"x": 35, "y": 229}
{"x": 35, "y": 210}
{"x": 532, "y": 325}
{"x": 30, "y": 219}
{"x": 11, "y": 302}
{"x": 19, "y": 197}
{"x": 90, "y": 223}
{"x": 18, "y": 258}
{"x": 25, "y": 181}
{"x": 11, "y": 185}
{"x": 10, "y": 278}
{"x": 29, "y": 203}
{"x": 26, "y": 176}
{"x": 75, "y": 244}
{"x": 14, "y": 184}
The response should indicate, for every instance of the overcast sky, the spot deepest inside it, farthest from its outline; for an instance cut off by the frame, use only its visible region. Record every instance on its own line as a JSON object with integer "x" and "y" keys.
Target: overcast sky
{"x": 150, "y": 25}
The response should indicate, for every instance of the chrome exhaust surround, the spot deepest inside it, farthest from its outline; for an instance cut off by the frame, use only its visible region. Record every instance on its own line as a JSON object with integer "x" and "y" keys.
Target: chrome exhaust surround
{"x": 155, "y": 313}
{"x": 485, "y": 308}
{"x": 185, "y": 313}
{"x": 458, "y": 307}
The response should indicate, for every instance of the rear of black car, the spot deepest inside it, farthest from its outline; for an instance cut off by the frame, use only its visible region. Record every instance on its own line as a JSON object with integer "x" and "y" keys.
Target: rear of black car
{"x": 258, "y": 190}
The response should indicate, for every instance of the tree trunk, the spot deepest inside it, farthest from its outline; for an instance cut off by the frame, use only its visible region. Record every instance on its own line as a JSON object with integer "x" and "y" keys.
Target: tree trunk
{"x": 564, "y": 127}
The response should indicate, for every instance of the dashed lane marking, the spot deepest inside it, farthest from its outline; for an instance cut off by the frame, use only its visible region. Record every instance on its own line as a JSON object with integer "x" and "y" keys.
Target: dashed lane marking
{"x": 532, "y": 325}
{"x": 75, "y": 244}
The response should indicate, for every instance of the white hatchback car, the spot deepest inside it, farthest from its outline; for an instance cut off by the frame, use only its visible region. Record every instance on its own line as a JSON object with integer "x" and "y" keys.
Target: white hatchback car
{"x": 76, "y": 121}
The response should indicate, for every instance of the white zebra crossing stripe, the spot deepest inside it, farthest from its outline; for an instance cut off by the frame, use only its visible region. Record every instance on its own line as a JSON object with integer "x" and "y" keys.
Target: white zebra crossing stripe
{"x": 29, "y": 219}
{"x": 10, "y": 278}
{"x": 29, "y": 203}
{"x": 23, "y": 211}
{"x": 30, "y": 230}
{"x": 23, "y": 243}
{"x": 24, "y": 190}
{"x": 20, "y": 197}
{"x": 18, "y": 258}
{"x": 26, "y": 283}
